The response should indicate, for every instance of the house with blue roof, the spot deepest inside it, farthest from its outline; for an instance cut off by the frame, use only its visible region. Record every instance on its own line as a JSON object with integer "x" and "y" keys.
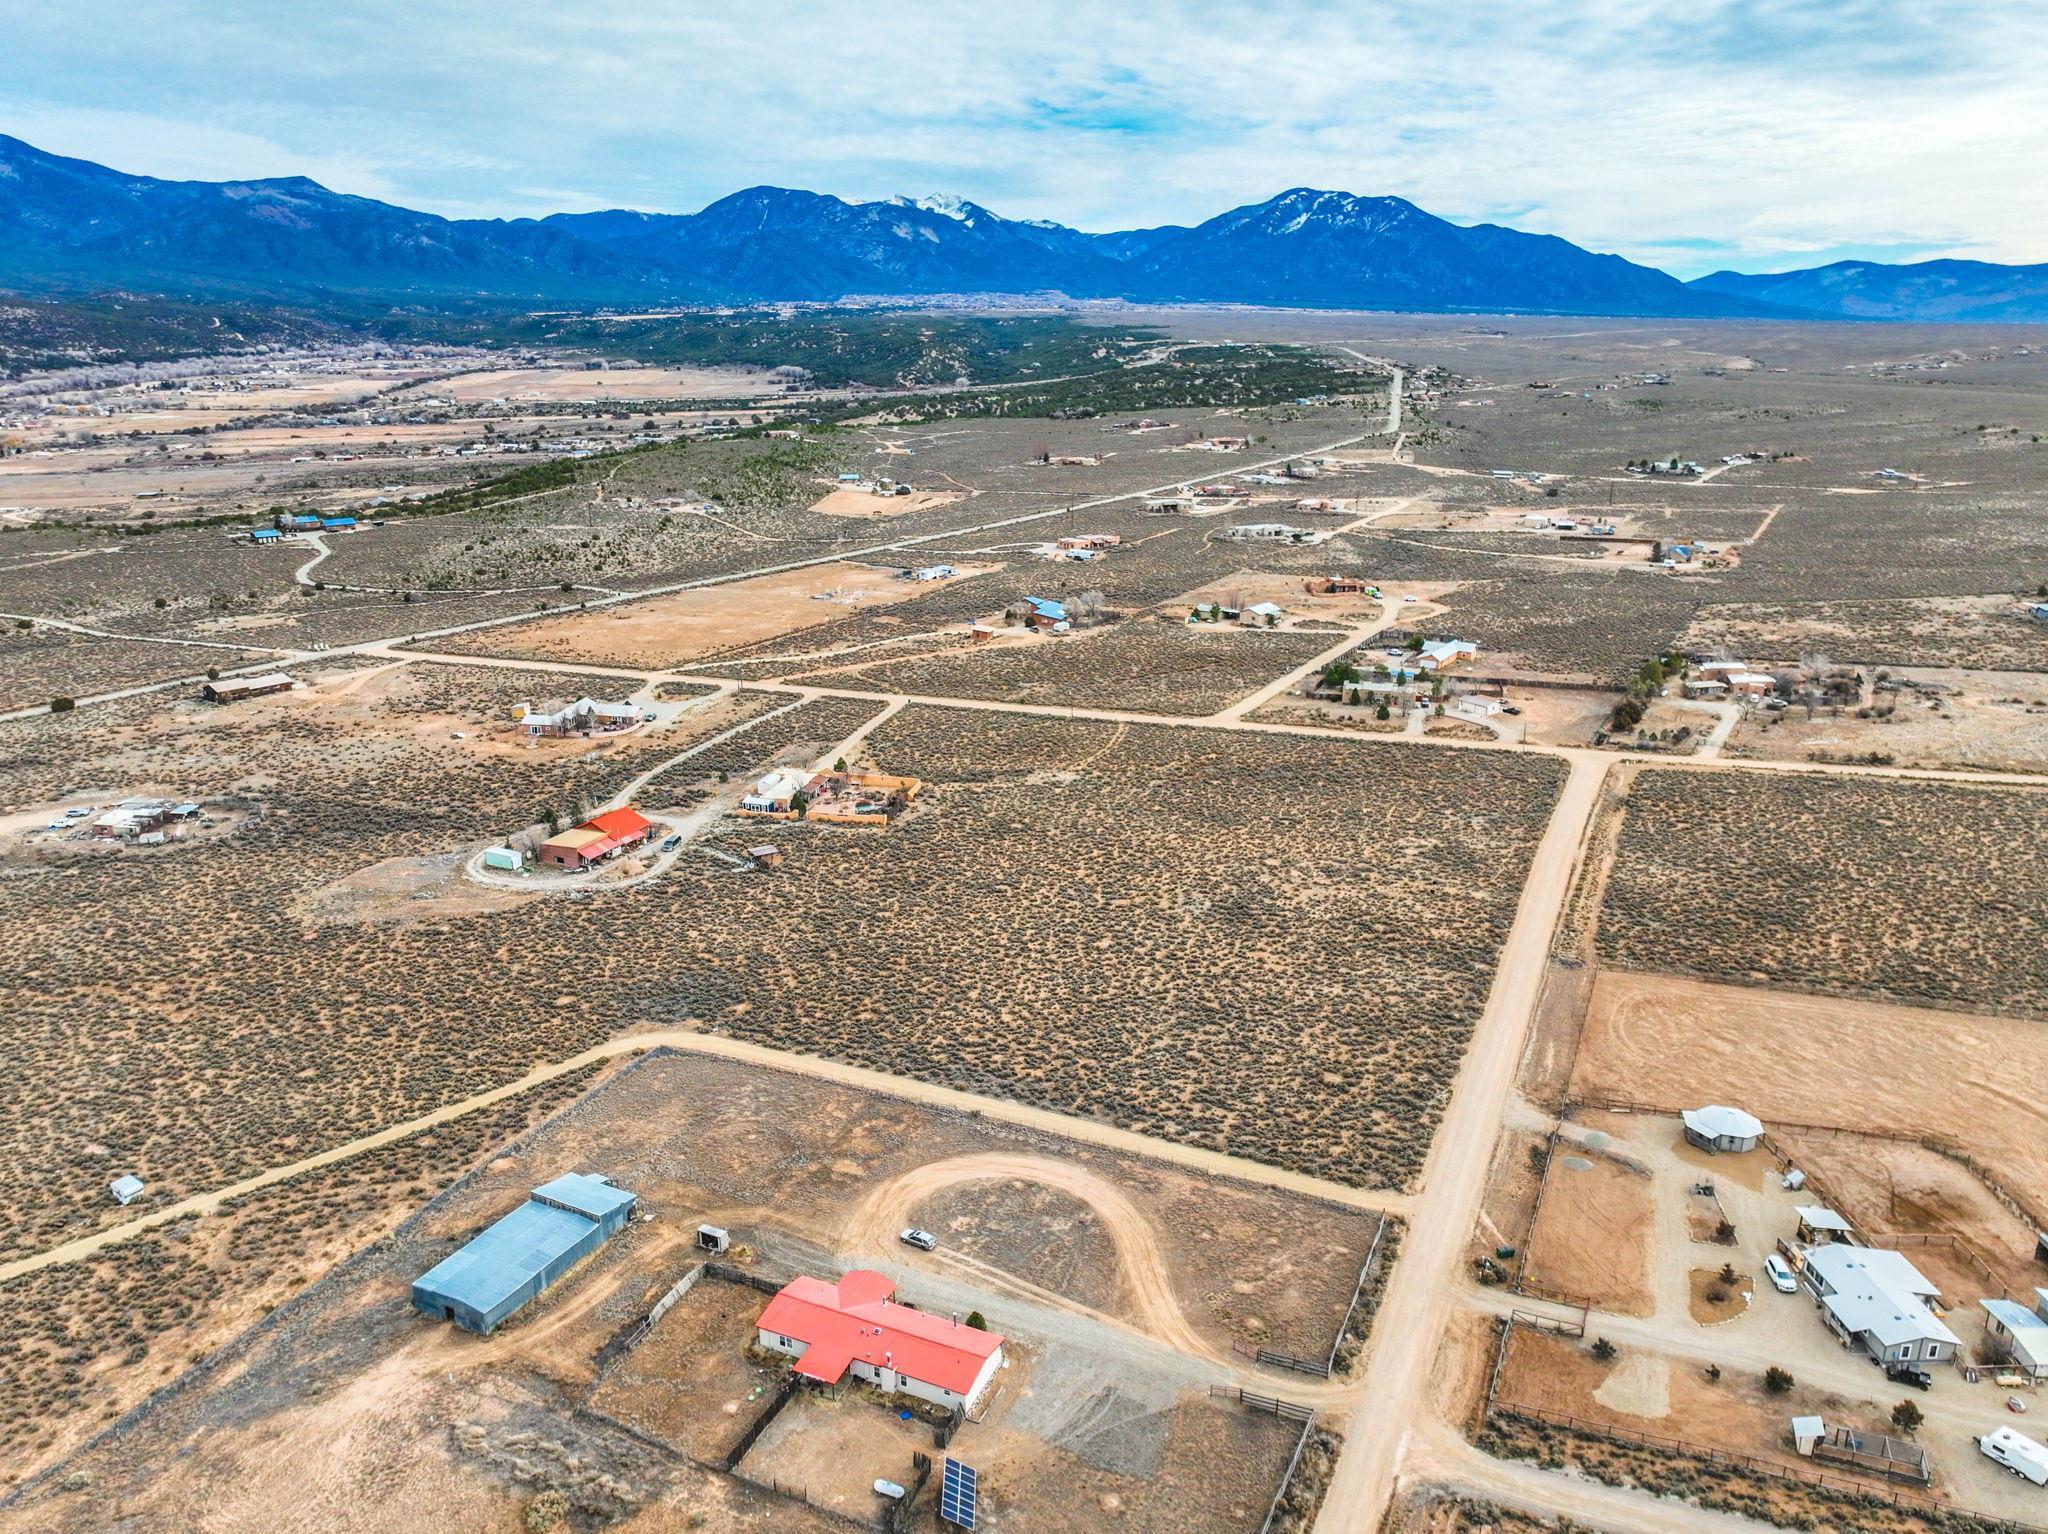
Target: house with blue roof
{"x": 1046, "y": 613}
{"x": 337, "y": 524}
{"x": 518, "y": 1258}
{"x": 263, "y": 535}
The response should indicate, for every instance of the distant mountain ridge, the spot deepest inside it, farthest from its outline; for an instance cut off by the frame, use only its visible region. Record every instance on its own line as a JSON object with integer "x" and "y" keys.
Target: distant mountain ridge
{"x": 1976, "y": 292}
{"x": 70, "y": 225}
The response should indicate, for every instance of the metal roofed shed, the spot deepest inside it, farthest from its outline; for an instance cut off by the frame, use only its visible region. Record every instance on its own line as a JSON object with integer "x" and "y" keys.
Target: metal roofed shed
{"x": 126, "y": 1189}
{"x": 1818, "y": 1224}
{"x": 517, "y": 1258}
{"x": 1718, "y": 1128}
{"x": 2017, "y": 1335}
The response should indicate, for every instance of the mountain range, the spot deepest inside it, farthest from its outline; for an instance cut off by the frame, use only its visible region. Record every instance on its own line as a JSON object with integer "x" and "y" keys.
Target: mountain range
{"x": 70, "y": 225}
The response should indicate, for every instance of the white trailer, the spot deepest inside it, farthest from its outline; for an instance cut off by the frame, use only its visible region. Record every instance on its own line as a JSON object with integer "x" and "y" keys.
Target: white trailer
{"x": 2018, "y": 1453}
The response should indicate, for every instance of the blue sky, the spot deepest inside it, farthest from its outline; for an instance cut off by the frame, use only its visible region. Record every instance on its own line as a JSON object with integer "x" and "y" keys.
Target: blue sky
{"x": 1747, "y": 133}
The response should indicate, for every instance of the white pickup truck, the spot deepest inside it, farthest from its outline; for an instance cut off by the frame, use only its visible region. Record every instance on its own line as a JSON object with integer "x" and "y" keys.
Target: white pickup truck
{"x": 2018, "y": 1453}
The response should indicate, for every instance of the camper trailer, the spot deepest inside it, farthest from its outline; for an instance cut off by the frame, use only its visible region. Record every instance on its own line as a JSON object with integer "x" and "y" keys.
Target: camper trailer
{"x": 2018, "y": 1453}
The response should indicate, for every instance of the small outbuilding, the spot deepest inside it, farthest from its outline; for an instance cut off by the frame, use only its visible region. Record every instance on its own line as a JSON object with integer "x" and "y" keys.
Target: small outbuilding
{"x": 1718, "y": 1128}
{"x": 504, "y": 859}
{"x": 2016, "y": 1336}
{"x": 1819, "y": 1225}
{"x": 516, "y": 1259}
{"x": 1807, "y": 1432}
{"x": 126, "y": 1189}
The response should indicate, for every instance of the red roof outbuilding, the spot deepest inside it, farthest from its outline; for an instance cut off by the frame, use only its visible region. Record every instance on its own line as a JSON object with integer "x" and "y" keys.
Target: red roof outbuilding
{"x": 620, "y": 825}
{"x": 855, "y": 1319}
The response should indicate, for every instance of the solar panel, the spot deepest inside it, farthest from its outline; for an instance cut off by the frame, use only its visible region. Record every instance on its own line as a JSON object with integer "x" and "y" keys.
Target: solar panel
{"x": 957, "y": 1494}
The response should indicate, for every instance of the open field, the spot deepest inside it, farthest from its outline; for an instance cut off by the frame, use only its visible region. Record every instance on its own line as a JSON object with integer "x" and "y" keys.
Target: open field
{"x": 1914, "y": 892}
{"x": 1944, "y": 1074}
{"x": 598, "y": 386}
{"x": 1207, "y": 879}
{"x": 1991, "y": 633}
{"x": 666, "y": 632}
{"x": 1118, "y": 1416}
{"x": 862, "y": 504}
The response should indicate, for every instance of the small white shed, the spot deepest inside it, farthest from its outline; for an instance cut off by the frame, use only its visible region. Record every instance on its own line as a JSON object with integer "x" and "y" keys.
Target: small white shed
{"x": 126, "y": 1189}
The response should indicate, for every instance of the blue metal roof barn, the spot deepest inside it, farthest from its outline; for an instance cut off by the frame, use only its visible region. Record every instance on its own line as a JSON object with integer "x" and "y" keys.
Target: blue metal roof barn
{"x": 513, "y": 1261}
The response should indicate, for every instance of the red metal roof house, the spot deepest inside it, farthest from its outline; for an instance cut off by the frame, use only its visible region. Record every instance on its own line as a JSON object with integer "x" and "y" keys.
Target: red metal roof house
{"x": 854, "y": 1326}
{"x": 598, "y": 837}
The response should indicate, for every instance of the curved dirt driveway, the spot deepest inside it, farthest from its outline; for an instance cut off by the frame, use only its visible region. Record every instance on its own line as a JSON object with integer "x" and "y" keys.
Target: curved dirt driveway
{"x": 1140, "y": 1260}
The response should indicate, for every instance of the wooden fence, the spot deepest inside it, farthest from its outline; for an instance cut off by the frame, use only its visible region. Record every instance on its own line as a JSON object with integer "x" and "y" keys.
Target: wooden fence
{"x": 1287, "y": 1477}
{"x": 1357, "y": 1292}
{"x": 1291, "y": 1410}
{"x": 1273, "y": 1360}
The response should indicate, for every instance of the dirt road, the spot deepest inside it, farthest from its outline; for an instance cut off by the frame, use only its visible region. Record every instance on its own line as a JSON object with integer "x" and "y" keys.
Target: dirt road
{"x": 1425, "y": 1284}
{"x": 1088, "y": 1130}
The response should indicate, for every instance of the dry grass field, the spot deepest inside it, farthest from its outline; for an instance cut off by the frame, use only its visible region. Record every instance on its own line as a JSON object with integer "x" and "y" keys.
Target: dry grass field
{"x": 1260, "y": 971}
{"x": 1904, "y": 891}
{"x": 1141, "y": 664}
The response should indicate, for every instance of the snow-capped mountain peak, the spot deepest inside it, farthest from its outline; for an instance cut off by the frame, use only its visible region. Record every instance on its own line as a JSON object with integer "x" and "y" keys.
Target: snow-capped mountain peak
{"x": 945, "y": 204}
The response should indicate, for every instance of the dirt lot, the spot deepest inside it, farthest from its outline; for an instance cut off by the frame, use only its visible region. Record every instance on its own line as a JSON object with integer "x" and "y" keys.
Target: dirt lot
{"x": 602, "y": 384}
{"x": 1892, "y": 1188}
{"x": 1945, "y": 1074}
{"x": 690, "y": 1384}
{"x": 1647, "y": 1393}
{"x": 867, "y": 505}
{"x": 1592, "y": 1234}
{"x": 670, "y": 631}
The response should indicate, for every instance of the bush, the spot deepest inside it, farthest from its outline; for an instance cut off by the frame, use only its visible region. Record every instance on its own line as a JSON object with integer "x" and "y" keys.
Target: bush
{"x": 62, "y": 705}
{"x": 1907, "y": 1417}
{"x": 1777, "y": 1381}
{"x": 977, "y": 1320}
{"x": 545, "y": 1511}
{"x": 1604, "y": 1350}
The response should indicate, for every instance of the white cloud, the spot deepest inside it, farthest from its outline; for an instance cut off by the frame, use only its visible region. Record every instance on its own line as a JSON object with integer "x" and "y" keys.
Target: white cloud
{"x": 1769, "y": 127}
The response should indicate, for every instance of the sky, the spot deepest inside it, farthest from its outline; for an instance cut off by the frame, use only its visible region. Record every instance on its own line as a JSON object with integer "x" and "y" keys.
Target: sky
{"x": 1688, "y": 134}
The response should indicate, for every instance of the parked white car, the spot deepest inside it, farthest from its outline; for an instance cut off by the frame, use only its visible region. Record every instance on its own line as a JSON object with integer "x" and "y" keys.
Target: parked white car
{"x": 923, "y": 1240}
{"x": 1780, "y": 1275}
